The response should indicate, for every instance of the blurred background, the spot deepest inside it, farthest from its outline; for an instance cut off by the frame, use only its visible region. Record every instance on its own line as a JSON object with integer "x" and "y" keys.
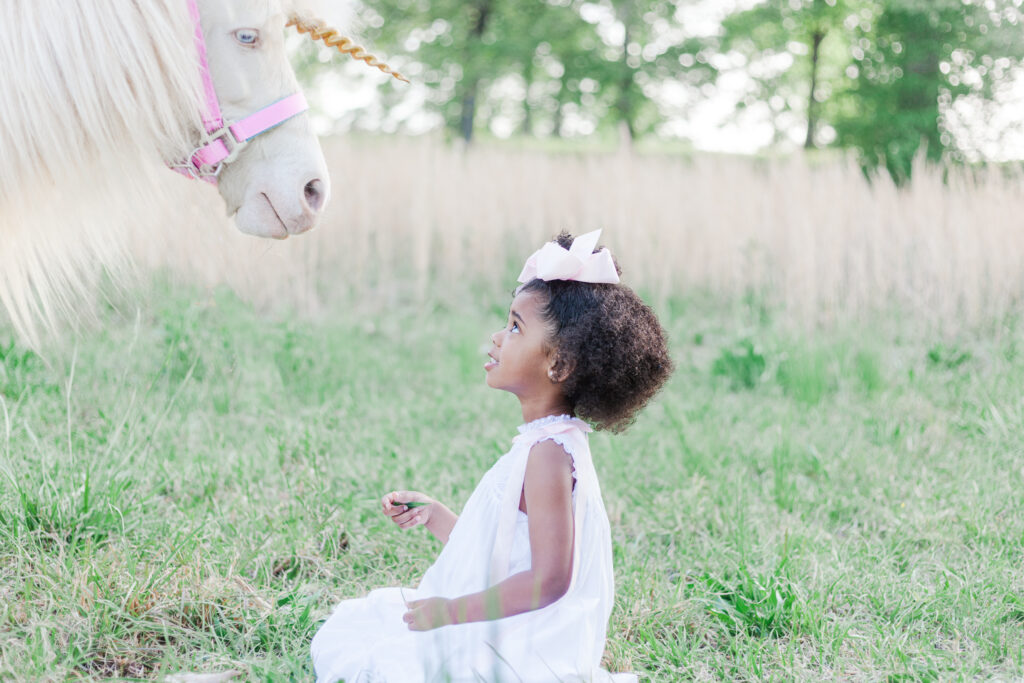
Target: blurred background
{"x": 885, "y": 79}
{"x": 831, "y": 158}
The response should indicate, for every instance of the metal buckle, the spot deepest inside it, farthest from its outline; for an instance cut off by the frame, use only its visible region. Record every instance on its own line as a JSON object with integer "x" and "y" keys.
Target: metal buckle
{"x": 188, "y": 168}
{"x": 200, "y": 171}
{"x": 234, "y": 145}
{"x": 196, "y": 172}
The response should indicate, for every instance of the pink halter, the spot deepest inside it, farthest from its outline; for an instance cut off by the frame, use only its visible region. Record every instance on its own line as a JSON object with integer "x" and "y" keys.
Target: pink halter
{"x": 223, "y": 142}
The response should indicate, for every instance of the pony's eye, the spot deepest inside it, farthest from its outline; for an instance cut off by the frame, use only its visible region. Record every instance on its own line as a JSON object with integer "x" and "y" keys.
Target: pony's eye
{"x": 249, "y": 37}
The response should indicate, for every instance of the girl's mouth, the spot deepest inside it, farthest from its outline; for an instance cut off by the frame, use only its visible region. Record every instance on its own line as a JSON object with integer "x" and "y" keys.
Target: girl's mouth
{"x": 491, "y": 364}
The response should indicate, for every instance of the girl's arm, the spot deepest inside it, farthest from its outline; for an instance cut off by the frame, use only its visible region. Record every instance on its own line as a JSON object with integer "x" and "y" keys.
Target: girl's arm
{"x": 436, "y": 516}
{"x": 547, "y": 493}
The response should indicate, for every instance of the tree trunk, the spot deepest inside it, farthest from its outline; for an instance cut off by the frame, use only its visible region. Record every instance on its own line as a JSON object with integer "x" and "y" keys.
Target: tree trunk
{"x": 468, "y": 113}
{"x": 812, "y": 104}
{"x": 624, "y": 104}
{"x": 559, "y": 117}
{"x": 914, "y": 118}
{"x": 921, "y": 93}
{"x": 527, "y": 128}
{"x": 471, "y": 69}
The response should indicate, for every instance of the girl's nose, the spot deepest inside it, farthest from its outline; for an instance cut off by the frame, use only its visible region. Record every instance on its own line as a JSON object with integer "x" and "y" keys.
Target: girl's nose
{"x": 496, "y": 338}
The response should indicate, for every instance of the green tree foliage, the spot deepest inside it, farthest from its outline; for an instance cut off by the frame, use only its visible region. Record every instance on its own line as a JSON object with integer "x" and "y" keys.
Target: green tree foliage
{"x": 653, "y": 48}
{"x": 911, "y": 60}
{"x": 458, "y": 44}
{"x": 793, "y": 52}
{"x": 602, "y": 59}
{"x": 882, "y": 74}
{"x": 881, "y": 77}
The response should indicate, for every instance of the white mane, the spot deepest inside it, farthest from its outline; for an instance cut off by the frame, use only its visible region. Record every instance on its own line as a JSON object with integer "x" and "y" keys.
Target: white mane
{"x": 93, "y": 97}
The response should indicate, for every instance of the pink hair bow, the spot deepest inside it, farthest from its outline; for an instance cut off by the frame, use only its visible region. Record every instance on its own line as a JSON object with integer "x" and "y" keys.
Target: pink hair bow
{"x": 578, "y": 262}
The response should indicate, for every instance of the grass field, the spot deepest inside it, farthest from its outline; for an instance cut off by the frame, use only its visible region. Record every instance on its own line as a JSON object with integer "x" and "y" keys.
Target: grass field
{"x": 192, "y": 488}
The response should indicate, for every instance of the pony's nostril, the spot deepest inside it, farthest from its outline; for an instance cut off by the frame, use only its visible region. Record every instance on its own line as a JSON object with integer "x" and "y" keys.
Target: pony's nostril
{"x": 314, "y": 194}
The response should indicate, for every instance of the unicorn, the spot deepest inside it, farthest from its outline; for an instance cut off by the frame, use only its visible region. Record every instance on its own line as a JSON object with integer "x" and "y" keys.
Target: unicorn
{"x": 97, "y": 99}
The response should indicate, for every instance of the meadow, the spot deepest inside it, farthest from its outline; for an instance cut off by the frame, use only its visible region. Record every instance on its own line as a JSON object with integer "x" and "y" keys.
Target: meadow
{"x": 828, "y": 488}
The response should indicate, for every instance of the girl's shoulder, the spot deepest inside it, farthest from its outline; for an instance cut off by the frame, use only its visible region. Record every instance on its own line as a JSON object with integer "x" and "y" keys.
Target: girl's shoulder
{"x": 552, "y": 450}
{"x": 554, "y": 453}
{"x": 548, "y": 460}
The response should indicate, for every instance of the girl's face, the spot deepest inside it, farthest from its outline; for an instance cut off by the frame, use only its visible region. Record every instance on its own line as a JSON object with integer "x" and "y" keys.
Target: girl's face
{"x": 520, "y": 358}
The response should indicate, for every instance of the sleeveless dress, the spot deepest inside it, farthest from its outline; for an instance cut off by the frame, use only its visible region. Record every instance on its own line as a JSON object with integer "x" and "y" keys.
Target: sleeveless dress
{"x": 366, "y": 641}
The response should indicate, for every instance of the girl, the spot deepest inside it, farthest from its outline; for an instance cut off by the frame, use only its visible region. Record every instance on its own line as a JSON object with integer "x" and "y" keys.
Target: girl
{"x": 523, "y": 588}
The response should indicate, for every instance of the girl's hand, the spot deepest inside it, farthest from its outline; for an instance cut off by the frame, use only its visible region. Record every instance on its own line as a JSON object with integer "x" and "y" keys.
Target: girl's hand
{"x": 394, "y": 505}
{"x": 424, "y": 615}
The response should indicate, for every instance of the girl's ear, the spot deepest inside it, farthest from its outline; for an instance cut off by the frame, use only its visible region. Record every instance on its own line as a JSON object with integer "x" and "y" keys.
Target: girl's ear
{"x": 559, "y": 368}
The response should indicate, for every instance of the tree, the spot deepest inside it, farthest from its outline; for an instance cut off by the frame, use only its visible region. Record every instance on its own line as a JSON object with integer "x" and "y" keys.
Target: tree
{"x": 883, "y": 74}
{"x": 794, "y": 52}
{"x": 616, "y": 50}
{"x": 645, "y": 45}
{"x": 464, "y": 48}
{"x": 558, "y": 71}
{"x": 913, "y": 59}
{"x": 456, "y": 44}
{"x": 602, "y": 58}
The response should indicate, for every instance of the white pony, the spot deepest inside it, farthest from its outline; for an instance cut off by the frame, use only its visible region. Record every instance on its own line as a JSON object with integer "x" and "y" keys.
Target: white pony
{"x": 97, "y": 97}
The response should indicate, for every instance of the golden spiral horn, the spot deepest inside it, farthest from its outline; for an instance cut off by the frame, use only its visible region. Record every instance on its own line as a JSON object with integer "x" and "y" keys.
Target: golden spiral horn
{"x": 319, "y": 30}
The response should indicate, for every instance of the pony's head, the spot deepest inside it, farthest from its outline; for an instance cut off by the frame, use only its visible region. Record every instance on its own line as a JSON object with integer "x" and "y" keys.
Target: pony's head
{"x": 278, "y": 185}
{"x": 96, "y": 94}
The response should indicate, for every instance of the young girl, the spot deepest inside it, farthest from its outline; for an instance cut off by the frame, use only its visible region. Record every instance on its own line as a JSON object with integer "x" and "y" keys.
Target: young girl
{"x": 523, "y": 588}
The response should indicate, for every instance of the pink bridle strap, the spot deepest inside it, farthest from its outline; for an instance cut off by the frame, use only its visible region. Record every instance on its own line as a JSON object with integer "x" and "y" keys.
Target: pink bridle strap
{"x": 222, "y": 143}
{"x": 222, "y": 146}
{"x": 212, "y": 119}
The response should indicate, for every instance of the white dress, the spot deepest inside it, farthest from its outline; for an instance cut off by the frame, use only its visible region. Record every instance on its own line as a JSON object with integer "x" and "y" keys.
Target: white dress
{"x": 366, "y": 641}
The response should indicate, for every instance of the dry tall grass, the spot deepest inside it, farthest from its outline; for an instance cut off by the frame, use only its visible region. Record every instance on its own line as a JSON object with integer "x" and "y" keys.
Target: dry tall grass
{"x": 816, "y": 239}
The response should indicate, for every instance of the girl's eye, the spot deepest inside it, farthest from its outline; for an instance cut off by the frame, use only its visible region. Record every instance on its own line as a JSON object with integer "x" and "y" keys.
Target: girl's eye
{"x": 515, "y": 327}
{"x": 249, "y": 37}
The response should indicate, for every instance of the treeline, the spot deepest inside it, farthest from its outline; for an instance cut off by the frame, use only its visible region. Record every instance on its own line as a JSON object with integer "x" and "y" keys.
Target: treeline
{"x": 877, "y": 76}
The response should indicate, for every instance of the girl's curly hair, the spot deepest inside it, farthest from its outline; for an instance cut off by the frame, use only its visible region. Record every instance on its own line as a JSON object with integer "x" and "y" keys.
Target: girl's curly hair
{"x": 607, "y": 343}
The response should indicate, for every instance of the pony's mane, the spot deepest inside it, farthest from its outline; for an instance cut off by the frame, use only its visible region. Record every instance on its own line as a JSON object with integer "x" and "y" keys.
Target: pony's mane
{"x": 94, "y": 95}
{"x": 88, "y": 78}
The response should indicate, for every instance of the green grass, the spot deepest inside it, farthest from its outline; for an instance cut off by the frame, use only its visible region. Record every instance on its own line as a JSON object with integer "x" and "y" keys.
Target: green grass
{"x": 192, "y": 490}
